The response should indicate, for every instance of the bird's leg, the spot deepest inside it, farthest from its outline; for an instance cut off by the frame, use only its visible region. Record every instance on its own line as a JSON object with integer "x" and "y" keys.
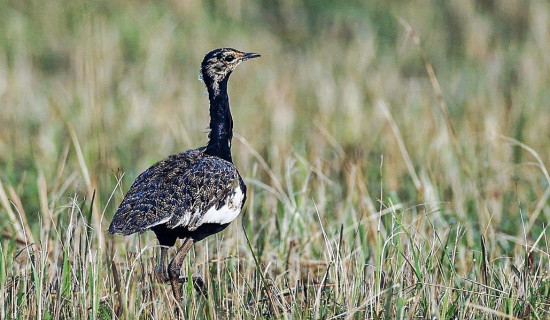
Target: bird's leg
{"x": 174, "y": 267}
{"x": 162, "y": 275}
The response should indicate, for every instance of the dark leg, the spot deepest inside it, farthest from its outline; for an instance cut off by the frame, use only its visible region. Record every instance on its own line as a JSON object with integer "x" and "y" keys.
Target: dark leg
{"x": 174, "y": 268}
{"x": 166, "y": 240}
{"x": 162, "y": 275}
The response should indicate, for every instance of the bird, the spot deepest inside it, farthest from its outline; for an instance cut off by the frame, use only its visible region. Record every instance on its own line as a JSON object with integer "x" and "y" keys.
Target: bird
{"x": 194, "y": 194}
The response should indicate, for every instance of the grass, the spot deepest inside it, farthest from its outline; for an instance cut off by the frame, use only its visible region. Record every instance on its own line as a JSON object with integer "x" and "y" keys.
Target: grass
{"x": 396, "y": 156}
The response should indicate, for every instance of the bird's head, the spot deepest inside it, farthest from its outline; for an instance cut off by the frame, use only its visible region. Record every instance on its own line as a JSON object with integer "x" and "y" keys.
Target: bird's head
{"x": 218, "y": 64}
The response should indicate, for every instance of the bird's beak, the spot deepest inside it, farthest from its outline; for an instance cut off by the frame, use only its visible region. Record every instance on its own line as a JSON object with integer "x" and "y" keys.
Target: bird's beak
{"x": 250, "y": 55}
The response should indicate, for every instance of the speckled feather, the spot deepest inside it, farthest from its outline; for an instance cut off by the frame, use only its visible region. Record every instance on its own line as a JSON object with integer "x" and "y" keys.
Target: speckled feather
{"x": 177, "y": 192}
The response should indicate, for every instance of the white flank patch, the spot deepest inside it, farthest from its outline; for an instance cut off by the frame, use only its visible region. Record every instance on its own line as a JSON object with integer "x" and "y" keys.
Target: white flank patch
{"x": 184, "y": 220}
{"x": 228, "y": 212}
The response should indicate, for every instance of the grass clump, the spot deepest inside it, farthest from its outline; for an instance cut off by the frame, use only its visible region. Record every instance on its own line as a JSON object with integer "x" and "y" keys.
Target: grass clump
{"x": 395, "y": 156}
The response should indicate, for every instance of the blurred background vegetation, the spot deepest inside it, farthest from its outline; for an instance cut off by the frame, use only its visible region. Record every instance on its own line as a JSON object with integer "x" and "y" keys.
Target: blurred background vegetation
{"x": 340, "y": 107}
{"x": 123, "y": 76}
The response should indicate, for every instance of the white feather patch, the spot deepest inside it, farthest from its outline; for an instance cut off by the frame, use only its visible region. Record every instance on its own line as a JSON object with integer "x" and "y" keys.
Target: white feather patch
{"x": 228, "y": 212}
{"x": 184, "y": 220}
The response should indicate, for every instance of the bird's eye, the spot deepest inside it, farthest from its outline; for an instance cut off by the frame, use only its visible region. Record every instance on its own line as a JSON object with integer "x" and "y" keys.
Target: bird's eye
{"x": 229, "y": 58}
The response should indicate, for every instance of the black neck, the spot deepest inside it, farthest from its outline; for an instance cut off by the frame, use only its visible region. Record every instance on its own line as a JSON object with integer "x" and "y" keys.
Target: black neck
{"x": 221, "y": 122}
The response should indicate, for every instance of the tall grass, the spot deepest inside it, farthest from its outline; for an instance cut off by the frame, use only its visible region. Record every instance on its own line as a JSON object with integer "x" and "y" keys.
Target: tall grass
{"x": 396, "y": 155}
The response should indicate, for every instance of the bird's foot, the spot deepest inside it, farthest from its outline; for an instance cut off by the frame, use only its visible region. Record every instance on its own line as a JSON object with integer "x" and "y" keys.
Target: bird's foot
{"x": 199, "y": 284}
{"x": 161, "y": 276}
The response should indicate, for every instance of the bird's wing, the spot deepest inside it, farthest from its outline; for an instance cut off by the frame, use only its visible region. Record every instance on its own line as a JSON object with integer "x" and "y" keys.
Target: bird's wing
{"x": 177, "y": 191}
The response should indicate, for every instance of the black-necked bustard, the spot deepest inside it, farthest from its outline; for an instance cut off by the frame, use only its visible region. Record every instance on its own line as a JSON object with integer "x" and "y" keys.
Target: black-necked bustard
{"x": 194, "y": 194}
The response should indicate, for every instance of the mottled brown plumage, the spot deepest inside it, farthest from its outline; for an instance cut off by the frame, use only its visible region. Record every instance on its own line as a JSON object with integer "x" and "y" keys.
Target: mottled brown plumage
{"x": 193, "y": 194}
{"x": 177, "y": 192}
